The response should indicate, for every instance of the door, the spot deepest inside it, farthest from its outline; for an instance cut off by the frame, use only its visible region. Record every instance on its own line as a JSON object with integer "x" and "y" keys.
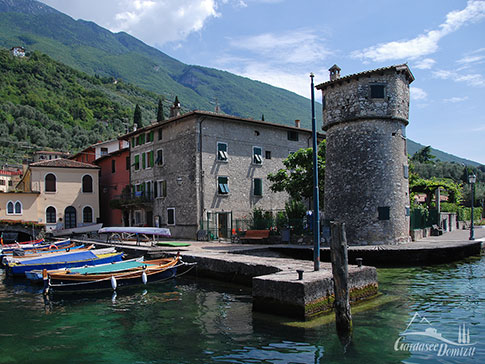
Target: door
{"x": 69, "y": 217}
{"x": 149, "y": 218}
{"x": 224, "y": 224}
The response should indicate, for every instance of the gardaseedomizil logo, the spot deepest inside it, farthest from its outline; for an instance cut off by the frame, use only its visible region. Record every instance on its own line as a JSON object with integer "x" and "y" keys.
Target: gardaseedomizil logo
{"x": 419, "y": 326}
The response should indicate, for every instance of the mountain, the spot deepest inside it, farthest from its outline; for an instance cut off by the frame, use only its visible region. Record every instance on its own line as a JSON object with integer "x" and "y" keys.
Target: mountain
{"x": 46, "y": 104}
{"x": 413, "y": 147}
{"x": 90, "y": 48}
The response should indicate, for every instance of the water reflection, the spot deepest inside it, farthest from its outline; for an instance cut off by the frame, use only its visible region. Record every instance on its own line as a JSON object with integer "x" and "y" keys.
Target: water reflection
{"x": 202, "y": 321}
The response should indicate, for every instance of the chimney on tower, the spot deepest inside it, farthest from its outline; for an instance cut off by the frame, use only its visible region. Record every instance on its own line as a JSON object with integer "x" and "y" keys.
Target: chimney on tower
{"x": 297, "y": 123}
{"x": 334, "y": 72}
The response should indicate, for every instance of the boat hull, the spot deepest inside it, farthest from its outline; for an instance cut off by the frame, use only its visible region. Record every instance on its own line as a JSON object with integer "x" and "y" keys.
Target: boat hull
{"x": 20, "y": 269}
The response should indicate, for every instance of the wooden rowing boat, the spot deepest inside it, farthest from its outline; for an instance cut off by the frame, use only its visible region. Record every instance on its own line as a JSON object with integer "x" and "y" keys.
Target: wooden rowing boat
{"x": 112, "y": 278}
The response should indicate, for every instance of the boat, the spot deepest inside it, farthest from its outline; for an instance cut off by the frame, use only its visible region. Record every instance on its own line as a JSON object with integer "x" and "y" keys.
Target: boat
{"x": 138, "y": 273}
{"x": 16, "y": 257}
{"x": 38, "y": 247}
{"x": 38, "y": 274}
{"x": 118, "y": 234}
{"x": 21, "y": 243}
{"x": 77, "y": 230}
{"x": 68, "y": 260}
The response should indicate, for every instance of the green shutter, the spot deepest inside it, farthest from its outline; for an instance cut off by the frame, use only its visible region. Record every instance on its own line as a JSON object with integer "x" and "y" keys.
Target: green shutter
{"x": 258, "y": 187}
{"x": 150, "y": 158}
{"x": 164, "y": 188}
{"x": 137, "y": 162}
{"x": 143, "y": 160}
{"x": 133, "y": 142}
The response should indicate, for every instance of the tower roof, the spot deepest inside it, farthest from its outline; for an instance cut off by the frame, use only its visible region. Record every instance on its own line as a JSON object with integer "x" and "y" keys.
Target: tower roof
{"x": 397, "y": 68}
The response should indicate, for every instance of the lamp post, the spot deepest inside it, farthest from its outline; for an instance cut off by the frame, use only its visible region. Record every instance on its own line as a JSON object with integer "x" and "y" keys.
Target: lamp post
{"x": 472, "y": 179}
{"x": 316, "y": 207}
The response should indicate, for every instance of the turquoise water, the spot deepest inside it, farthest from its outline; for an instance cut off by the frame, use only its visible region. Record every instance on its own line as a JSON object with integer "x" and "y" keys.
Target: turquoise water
{"x": 200, "y": 321}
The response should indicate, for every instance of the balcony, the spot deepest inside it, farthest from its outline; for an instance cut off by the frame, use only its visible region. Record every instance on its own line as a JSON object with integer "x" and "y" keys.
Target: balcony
{"x": 130, "y": 200}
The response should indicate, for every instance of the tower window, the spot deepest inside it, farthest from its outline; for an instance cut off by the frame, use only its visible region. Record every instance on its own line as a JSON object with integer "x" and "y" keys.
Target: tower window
{"x": 384, "y": 213}
{"x": 377, "y": 91}
{"x": 293, "y": 135}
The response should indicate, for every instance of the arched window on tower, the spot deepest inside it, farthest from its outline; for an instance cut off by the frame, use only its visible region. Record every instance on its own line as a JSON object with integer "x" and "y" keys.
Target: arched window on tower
{"x": 87, "y": 184}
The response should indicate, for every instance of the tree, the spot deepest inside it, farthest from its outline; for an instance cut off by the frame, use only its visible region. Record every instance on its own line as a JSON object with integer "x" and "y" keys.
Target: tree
{"x": 160, "y": 116}
{"x": 137, "y": 117}
{"x": 423, "y": 155}
{"x": 297, "y": 177}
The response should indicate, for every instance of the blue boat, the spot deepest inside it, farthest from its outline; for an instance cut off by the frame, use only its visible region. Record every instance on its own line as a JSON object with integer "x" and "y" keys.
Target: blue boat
{"x": 38, "y": 246}
{"x": 68, "y": 260}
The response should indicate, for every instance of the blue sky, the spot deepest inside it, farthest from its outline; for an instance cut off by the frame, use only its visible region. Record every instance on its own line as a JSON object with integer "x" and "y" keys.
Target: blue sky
{"x": 281, "y": 41}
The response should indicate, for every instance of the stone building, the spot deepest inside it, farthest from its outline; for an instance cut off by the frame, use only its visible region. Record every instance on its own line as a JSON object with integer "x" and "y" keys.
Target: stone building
{"x": 206, "y": 167}
{"x": 366, "y": 178}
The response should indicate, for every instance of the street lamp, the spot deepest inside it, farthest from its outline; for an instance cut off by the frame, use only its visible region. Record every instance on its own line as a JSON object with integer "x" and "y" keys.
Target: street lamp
{"x": 472, "y": 179}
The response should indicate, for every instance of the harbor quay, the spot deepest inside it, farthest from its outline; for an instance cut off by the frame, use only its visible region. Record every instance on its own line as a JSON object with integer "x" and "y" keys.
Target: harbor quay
{"x": 272, "y": 270}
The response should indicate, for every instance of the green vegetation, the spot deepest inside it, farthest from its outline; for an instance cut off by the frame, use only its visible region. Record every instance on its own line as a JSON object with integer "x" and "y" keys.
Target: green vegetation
{"x": 297, "y": 177}
{"x": 45, "y": 104}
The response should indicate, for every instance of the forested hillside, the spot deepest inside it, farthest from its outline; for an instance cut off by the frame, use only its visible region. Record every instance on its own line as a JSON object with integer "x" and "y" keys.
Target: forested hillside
{"x": 45, "y": 104}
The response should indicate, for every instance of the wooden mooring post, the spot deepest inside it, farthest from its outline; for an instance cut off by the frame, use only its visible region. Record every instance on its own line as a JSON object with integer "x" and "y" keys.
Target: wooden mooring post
{"x": 340, "y": 271}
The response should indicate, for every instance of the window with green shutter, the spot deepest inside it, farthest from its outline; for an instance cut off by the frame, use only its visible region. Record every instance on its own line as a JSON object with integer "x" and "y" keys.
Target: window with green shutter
{"x": 150, "y": 159}
{"x": 223, "y": 186}
{"x": 258, "y": 187}
{"x": 257, "y": 155}
{"x": 222, "y": 152}
{"x": 137, "y": 162}
{"x": 133, "y": 142}
{"x": 143, "y": 160}
{"x": 150, "y": 137}
{"x": 159, "y": 160}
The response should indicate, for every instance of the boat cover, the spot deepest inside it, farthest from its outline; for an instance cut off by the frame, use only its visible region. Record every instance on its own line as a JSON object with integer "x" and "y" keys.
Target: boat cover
{"x": 70, "y": 257}
{"x": 107, "y": 268}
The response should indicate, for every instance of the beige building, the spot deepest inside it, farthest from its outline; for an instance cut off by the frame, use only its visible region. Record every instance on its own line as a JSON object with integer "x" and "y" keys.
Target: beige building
{"x": 58, "y": 192}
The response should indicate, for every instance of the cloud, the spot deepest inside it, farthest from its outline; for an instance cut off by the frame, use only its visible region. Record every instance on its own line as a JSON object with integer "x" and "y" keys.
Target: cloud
{"x": 454, "y": 100}
{"x": 425, "y": 64}
{"x": 427, "y": 43}
{"x": 418, "y": 93}
{"x": 297, "y": 47}
{"x": 473, "y": 79}
{"x": 156, "y": 22}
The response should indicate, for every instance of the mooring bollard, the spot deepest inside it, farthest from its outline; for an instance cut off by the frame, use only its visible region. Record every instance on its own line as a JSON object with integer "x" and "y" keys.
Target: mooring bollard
{"x": 300, "y": 274}
{"x": 359, "y": 262}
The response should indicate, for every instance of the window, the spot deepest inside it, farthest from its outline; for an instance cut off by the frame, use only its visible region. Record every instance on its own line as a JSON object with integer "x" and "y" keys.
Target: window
{"x": 222, "y": 185}
{"x": 140, "y": 140}
{"x": 148, "y": 191}
{"x": 377, "y": 91}
{"x": 267, "y": 154}
{"x": 150, "y": 137}
{"x": 161, "y": 189}
{"x": 159, "y": 160}
{"x": 2, "y": 182}
{"x": 257, "y": 152}
{"x": 87, "y": 215}
{"x": 137, "y": 162}
{"x": 10, "y": 183}
{"x": 293, "y": 135}
{"x": 222, "y": 152}
{"x": 406, "y": 171}
{"x": 10, "y": 208}
{"x": 143, "y": 160}
{"x": 70, "y": 219}
{"x": 127, "y": 162}
{"x": 104, "y": 151}
{"x": 160, "y": 134}
{"x": 133, "y": 142}
{"x": 50, "y": 183}
{"x": 87, "y": 184}
{"x": 113, "y": 166}
{"x": 50, "y": 215}
{"x": 171, "y": 216}
{"x": 383, "y": 212}
{"x": 18, "y": 208}
{"x": 258, "y": 187}
{"x": 150, "y": 159}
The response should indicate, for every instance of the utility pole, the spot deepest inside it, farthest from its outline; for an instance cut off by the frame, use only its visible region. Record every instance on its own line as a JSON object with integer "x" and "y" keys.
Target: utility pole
{"x": 316, "y": 205}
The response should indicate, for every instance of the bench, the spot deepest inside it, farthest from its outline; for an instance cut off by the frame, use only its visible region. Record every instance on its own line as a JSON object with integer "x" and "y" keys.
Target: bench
{"x": 255, "y": 235}
{"x": 436, "y": 230}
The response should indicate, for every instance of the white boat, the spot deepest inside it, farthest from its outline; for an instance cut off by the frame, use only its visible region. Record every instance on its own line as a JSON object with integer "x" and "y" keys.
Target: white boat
{"x": 77, "y": 230}
{"x": 135, "y": 230}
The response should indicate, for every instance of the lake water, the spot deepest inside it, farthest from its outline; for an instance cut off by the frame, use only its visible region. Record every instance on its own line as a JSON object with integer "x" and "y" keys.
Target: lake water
{"x": 200, "y": 321}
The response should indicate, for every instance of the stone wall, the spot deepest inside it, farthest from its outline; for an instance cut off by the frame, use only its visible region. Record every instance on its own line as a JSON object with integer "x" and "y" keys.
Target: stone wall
{"x": 366, "y": 183}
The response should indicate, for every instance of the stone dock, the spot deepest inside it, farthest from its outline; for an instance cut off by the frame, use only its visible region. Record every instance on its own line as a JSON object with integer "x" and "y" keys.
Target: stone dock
{"x": 271, "y": 270}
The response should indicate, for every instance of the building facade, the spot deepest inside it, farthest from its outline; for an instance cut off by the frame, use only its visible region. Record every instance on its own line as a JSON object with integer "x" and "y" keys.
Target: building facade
{"x": 113, "y": 180}
{"x": 204, "y": 167}
{"x": 9, "y": 179}
{"x": 59, "y": 193}
{"x": 366, "y": 176}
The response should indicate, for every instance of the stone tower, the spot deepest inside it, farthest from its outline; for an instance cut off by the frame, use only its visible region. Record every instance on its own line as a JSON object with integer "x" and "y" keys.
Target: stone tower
{"x": 366, "y": 177}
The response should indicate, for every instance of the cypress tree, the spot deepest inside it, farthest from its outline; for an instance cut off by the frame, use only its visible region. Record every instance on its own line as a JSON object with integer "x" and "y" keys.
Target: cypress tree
{"x": 160, "y": 116}
{"x": 137, "y": 116}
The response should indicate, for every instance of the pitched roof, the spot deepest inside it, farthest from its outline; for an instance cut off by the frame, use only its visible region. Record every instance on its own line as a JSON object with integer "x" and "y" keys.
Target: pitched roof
{"x": 398, "y": 68}
{"x": 63, "y": 163}
{"x": 215, "y": 116}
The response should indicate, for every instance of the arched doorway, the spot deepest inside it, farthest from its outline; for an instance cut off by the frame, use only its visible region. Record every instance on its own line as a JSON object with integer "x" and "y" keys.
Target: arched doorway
{"x": 69, "y": 217}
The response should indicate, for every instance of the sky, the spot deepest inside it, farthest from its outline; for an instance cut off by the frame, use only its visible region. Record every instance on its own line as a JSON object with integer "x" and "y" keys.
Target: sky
{"x": 281, "y": 42}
